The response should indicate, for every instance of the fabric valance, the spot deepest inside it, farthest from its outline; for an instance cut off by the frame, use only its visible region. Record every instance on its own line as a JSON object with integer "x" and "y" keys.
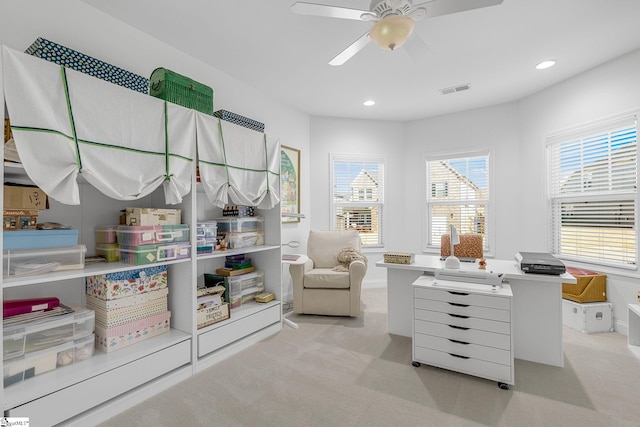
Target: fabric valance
{"x": 237, "y": 165}
{"x": 124, "y": 143}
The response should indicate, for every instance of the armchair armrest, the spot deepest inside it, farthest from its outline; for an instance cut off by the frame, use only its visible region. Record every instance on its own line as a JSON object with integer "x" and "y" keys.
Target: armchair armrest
{"x": 357, "y": 271}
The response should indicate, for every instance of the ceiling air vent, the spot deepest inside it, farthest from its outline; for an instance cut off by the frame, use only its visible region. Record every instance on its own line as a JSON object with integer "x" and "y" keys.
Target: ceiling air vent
{"x": 454, "y": 89}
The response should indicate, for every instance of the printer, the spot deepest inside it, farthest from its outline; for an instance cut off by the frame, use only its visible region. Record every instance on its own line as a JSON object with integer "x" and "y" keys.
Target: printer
{"x": 539, "y": 263}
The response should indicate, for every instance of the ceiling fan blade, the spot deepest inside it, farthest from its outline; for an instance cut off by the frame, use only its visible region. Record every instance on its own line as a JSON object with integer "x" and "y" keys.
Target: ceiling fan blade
{"x": 355, "y": 47}
{"x": 446, "y": 7}
{"x": 302, "y": 8}
{"x": 417, "y": 49}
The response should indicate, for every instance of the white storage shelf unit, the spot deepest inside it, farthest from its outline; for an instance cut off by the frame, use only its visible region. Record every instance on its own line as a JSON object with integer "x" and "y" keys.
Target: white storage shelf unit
{"x": 250, "y": 322}
{"x": 111, "y": 382}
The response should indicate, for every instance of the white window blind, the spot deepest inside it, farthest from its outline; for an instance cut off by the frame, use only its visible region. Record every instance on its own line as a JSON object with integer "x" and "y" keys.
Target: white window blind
{"x": 593, "y": 192}
{"x": 357, "y": 184}
{"x": 457, "y": 193}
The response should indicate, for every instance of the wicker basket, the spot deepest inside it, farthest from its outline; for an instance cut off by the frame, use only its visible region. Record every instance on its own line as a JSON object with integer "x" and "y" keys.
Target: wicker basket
{"x": 178, "y": 89}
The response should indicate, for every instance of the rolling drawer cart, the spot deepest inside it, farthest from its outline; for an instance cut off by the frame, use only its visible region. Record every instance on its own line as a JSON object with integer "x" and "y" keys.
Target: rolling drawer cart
{"x": 465, "y": 327}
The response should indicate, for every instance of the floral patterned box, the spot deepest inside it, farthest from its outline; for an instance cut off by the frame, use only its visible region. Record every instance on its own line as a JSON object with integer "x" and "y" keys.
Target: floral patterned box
{"x": 127, "y": 283}
{"x": 117, "y": 337}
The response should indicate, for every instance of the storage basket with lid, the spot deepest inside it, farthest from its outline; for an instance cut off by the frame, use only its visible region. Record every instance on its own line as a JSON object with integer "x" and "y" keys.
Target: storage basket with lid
{"x": 178, "y": 89}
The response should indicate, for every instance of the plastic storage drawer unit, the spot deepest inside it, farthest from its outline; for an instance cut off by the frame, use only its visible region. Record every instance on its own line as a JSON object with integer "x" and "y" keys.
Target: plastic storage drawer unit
{"x": 244, "y": 287}
{"x": 38, "y": 335}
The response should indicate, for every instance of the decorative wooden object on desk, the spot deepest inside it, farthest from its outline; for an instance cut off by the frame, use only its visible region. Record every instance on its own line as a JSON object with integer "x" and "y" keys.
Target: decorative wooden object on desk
{"x": 399, "y": 257}
{"x": 470, "y": 246}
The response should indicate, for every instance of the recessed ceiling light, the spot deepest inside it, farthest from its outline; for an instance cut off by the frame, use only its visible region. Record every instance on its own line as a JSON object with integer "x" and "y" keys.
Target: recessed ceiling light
{"x": 369, "y": 103}
{"x": 545, "y": 64}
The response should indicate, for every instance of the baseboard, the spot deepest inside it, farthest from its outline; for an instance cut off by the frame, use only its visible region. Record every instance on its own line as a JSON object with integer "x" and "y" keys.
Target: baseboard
{"x": 373, "y": 284}
{"x": 621, "y": 327}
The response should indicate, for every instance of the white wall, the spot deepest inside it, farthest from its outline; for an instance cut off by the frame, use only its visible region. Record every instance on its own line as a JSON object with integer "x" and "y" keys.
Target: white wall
{"x": 77, "y": 25}
{"x": 377, "y": 138}
{"x": 604, "y": 91}
{"x": 493, "y": 128}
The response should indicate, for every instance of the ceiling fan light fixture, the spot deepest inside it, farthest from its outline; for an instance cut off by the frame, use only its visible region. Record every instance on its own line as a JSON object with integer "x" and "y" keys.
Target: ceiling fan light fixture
{"x": 391, "y": 32}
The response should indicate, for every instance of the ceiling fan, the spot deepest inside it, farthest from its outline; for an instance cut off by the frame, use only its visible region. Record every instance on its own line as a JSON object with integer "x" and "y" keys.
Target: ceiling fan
{"x": 394, "y": 19}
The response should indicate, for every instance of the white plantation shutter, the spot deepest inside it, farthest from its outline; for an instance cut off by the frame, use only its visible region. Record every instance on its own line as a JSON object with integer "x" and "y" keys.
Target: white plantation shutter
{"x": 593, "y": 192}
{"x": 457, "y": 193}
{"x": 357, "y": 200}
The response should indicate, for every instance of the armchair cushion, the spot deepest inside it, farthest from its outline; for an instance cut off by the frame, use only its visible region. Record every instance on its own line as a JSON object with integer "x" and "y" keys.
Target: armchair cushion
{"x": 323, "y": 246}
{"x": 326, "y": 278}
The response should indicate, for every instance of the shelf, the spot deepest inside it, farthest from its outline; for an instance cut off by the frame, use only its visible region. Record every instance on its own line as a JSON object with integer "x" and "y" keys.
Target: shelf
{"x": 247, "y": 250}
{"x": 240, "y": 313}
{"x": 99, "y": 363}
{"x": 89, "y": 270}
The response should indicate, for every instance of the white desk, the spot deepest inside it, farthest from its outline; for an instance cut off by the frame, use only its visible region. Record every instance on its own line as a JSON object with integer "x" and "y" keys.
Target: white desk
{"x": 537, "y": 304}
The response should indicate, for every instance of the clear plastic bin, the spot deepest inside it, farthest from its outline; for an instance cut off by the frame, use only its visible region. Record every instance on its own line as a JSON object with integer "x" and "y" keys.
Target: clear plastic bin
{"x": 25, "y": 262}
{"x": 149, "y": 254}
{"x": 40, "y": 334}
{"x": 244, "y": 240}
{"x": 207, "y": 229}
{"x": 172, "y": 233}
{"x": 108, "y": 251}
{"x": 137, "y": 235}
{"x": 240, "y": 225}
{"x": 106, "y": 234}
{"x": 30, "y": 365}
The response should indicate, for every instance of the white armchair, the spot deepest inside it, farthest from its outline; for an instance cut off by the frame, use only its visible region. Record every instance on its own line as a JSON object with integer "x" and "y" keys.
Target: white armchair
{"x": 318, "y": 288}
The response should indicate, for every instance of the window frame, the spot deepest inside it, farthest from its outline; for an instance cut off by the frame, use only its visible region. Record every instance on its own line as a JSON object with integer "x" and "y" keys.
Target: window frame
{"x": 364, "y": 198}
{"x": 584, "y": 131}
{"x": 434, "y": 247}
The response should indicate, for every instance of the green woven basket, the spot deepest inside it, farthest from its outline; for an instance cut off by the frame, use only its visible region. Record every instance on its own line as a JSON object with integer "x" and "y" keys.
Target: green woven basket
{"x": 178, "y": 89}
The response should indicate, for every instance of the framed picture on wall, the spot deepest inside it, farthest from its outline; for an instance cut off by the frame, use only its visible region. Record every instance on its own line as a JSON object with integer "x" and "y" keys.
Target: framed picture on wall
{"x": 289, "y": 183}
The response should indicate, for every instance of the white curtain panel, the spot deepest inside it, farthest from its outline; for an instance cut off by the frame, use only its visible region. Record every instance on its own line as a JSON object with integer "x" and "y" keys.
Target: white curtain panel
{"x": 124, "y": 143}
{"x": 237, "y": 165}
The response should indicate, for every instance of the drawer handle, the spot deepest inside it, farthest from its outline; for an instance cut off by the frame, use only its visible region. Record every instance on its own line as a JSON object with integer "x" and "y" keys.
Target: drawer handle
{"x": 458, "y": 342}
{"x": 458, "y": 304}
{"x": 458, "y": 327}
{"x": 459, "y": 316}
{"x": 458, "y": 293}
{"x": 459, "y": 356}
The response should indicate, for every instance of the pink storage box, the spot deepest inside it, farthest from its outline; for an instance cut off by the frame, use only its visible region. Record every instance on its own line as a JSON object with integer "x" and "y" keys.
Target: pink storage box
{"x": 118, "y": 337}
{"x": 136, "y": 235}
{"x": 123, "y": 284}
{"x": 106, "y": 234}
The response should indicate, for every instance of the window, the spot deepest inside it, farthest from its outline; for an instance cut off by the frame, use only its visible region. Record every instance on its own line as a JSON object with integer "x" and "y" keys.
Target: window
{"x": 358, "y": 196}
{"x": 458, "y": 194}
{"x": 592, "y": 174}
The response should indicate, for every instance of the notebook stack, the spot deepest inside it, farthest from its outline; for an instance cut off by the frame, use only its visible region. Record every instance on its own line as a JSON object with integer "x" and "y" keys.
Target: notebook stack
{"x": 130, "y": 306}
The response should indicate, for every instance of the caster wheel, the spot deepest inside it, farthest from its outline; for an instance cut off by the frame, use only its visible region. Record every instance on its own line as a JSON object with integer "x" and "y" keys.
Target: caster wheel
{"x": 503, "y": 386}
{"x": 416, "y": 364}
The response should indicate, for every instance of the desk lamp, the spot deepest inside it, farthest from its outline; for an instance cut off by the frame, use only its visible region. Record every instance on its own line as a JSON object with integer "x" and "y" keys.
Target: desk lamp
{"x": 452, "y": 262}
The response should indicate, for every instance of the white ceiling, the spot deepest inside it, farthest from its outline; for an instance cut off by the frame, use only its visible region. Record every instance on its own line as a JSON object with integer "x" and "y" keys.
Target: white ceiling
{"x": 494, "y": 49}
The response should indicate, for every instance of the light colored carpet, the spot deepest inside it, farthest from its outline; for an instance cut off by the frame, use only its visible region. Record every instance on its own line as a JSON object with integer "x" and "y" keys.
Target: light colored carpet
{"x": 350, "y": 372}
